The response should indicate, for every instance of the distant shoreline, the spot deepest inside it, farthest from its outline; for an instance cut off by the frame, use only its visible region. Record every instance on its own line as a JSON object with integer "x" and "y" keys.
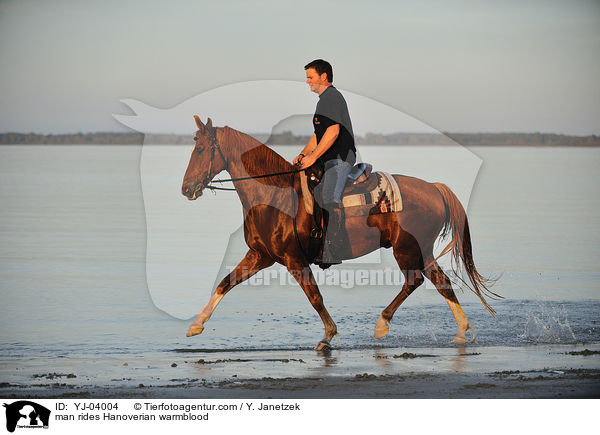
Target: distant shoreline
{"x": 287, "y": 138}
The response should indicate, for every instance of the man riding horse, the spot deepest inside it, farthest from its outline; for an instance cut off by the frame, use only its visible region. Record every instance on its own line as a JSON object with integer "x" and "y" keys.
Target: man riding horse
{"x": 279, "y": 221}
{"x": 332, "y": 147}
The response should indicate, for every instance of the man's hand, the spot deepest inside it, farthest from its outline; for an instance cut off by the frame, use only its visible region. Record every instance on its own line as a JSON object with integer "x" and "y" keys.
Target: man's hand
{"x": 298, "y": 159}
{"x": 307, "y": 161}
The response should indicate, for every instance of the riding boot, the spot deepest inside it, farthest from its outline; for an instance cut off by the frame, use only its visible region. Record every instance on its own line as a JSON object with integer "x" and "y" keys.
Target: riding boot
{"x": 336, "y": 244}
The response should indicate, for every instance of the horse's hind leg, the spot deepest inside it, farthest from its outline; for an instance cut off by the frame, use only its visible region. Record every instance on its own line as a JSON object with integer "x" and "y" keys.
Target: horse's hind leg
{"x": 410, "y": 263}
{"x": 305, "y": 278}
{"x": 250, "y": 264}
{"x": 443, "y": 285}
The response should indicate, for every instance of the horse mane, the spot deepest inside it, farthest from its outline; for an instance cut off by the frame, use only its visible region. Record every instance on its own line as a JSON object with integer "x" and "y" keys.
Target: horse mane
{"x": 259, "y": 159}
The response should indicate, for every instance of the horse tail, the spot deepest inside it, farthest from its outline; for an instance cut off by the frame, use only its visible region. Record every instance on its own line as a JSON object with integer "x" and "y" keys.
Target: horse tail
{"x": 456, "y": 222}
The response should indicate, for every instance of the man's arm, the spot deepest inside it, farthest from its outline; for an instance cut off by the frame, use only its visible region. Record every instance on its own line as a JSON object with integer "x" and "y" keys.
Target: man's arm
{"x": 331, "y": 134}
{"x": 312, "y": 144}
{"x": 309, "y": 148}
{"x": 327, "y": 140}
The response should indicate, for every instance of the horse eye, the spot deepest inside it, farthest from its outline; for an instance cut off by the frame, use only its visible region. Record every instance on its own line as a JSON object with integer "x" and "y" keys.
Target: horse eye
{"x": 195, "y": 138}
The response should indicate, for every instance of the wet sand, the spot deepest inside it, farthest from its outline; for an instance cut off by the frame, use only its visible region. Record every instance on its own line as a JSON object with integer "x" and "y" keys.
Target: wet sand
{"x": 541, "y": 371}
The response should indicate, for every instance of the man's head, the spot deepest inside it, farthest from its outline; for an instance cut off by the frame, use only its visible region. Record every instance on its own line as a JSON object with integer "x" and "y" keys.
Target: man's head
{"x": 319, "y": 75}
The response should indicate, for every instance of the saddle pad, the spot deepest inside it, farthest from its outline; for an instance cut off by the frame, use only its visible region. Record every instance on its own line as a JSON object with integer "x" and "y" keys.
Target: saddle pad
{"x": 384, "y": 198}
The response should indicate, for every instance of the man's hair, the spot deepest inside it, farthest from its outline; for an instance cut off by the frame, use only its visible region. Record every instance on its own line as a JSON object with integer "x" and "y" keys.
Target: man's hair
{"x": 321, "y": 66}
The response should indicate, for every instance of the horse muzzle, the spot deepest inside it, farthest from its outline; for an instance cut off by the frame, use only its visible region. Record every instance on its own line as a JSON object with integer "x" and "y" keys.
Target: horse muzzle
{"x": 192, "y": 192}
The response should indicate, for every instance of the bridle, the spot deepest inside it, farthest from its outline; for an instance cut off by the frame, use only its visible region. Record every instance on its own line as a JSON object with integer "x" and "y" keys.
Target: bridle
{"x": 214, "y": 145}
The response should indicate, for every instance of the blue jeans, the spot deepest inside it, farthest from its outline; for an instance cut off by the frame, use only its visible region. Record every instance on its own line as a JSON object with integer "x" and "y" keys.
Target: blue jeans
{"x": 334, "y": 180}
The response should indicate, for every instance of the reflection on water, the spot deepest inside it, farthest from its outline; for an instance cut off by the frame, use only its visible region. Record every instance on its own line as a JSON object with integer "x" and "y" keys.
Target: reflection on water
{"x": 459, "y": 361}
{"x": 328, "y": 360}
{"x": 381, "y": 358}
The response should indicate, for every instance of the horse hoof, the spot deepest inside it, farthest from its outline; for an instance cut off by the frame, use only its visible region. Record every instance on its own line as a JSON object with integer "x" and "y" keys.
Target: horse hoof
{"x": 323, "y": 346}
{"x": 459, "y": 340}
{"x": 381, "y": 328}
{"x": 194, "y": 330}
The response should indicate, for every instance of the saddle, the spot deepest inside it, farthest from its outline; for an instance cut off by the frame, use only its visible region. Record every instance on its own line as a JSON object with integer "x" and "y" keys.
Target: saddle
{"x": 360, "y": 180}
{"x": 366, "y": 193}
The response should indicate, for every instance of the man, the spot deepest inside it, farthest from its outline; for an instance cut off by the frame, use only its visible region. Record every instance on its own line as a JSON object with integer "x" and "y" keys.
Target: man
{"x": 332, "y": 146}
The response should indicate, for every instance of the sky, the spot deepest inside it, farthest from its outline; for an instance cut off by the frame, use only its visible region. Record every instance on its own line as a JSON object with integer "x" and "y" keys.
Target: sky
{"x": 459, "y": 66}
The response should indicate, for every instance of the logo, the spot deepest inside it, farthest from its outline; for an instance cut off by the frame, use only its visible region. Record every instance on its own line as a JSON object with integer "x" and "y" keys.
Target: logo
{"x": 26, "y": 414}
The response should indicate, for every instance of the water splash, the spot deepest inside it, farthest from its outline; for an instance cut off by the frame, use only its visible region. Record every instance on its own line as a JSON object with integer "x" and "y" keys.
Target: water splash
{"x": 550, "y": 325}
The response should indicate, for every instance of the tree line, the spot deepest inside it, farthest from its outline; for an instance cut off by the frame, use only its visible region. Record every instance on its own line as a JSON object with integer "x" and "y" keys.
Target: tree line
{"x": 287, "y": 138}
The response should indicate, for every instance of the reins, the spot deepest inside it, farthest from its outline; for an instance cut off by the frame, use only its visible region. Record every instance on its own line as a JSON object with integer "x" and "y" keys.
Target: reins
{"x": 215, "y": 145}
{"x": 251, "y": 177}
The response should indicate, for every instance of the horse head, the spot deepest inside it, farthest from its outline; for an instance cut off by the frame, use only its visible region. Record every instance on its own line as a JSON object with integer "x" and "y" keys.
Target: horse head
{"x": 206, "y": 161}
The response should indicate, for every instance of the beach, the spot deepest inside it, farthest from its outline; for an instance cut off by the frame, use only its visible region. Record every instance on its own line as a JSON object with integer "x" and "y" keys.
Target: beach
{"x": 533, "y": 372}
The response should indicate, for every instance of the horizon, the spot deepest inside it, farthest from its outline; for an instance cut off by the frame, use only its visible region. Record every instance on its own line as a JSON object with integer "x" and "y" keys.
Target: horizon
{"x": 131, "y": 131}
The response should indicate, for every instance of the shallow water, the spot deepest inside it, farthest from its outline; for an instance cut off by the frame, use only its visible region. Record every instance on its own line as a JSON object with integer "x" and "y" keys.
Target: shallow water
{"x": 73, "y": 273}
{"x": 195, "y": 368}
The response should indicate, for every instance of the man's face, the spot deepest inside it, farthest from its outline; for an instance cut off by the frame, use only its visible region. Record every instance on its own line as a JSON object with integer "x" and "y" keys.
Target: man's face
{"x": 318, "y": 83}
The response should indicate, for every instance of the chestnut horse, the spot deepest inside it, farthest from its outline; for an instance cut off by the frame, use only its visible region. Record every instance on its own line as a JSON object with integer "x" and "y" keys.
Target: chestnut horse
{"x": 271, "y": 203}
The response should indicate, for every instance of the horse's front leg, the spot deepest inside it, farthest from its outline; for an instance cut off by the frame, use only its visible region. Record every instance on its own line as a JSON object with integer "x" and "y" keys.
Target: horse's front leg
{"x": 305, "y": 278}
{"x": 252, "y": 263}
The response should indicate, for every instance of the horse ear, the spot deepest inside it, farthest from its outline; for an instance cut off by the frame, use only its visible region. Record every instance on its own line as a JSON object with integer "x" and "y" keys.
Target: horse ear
{"x": 198, "y": 122}
{"x": 209, "y": 124}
